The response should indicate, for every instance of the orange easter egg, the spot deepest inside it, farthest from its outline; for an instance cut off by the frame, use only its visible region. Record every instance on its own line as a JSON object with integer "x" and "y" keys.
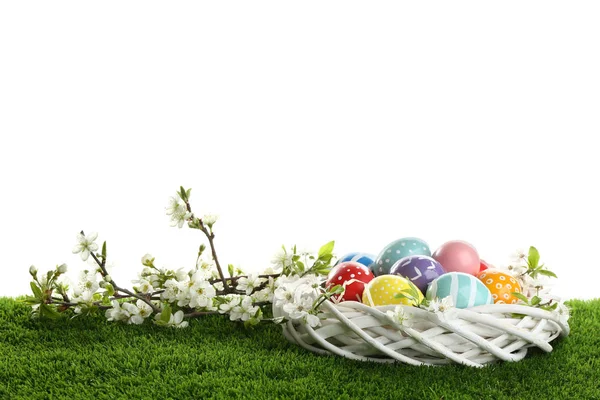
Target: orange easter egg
{"x": 501, "y": 285}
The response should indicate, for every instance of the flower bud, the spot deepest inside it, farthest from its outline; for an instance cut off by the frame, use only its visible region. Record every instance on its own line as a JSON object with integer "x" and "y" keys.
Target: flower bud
{"x": 61, "y": 269}
{"x": 148, "y": 260}
{"x": 107, "y": 278}
{"x": 33, "y": 271}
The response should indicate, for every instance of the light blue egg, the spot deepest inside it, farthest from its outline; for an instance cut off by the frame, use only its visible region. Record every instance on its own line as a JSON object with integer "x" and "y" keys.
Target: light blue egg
{"x": 465, "y": 290}
{"x": 361, "y": 258}
{"x": 409, "y": 246}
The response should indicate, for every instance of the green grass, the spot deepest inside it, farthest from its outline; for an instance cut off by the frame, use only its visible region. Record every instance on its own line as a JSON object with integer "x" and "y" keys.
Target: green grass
{"x": 89, "y": 358}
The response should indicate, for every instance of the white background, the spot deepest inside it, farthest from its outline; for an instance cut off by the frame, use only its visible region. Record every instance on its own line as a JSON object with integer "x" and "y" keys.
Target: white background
{"x": 299, "y": 123}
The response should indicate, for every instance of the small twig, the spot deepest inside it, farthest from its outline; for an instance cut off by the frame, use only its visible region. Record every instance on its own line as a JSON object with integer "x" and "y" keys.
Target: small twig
{"x": 210, "y": 236}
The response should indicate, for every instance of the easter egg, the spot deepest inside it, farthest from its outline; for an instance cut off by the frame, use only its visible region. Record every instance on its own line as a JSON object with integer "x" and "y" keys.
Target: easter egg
{"x": 458, "y": 256}
{"x": 501, "y": 285}
{"x": 420, "y": 270}
{"x": 484, "y": 265}
{"x": 382, "y": 290}
{"x": 344, "y": 273}
{"x": 396, "y": 250}
{"x": 465, "y": 290}
{"x": 363, "y": 258}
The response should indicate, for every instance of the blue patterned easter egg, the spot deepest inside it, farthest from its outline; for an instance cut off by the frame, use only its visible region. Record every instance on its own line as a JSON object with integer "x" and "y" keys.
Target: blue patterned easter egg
{"x": 420, "y": 270}
{"x": 396, "y": 250}
{"x": 464, "y": 289}
{"x": 361, "y": 258}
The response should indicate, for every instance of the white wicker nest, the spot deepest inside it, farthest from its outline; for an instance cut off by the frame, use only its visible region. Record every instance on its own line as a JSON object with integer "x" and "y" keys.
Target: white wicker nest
{"x": 475, "y": 337}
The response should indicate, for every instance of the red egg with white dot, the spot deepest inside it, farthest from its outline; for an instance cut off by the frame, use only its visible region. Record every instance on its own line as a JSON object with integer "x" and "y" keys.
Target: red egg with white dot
{"x": 353, "y": 276}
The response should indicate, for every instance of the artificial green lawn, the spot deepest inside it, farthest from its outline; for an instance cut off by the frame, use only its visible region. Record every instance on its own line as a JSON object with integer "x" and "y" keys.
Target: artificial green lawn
{"x": 89, "y": 358}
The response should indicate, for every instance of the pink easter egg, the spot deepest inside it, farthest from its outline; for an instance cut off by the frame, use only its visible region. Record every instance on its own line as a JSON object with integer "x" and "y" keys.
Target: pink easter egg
{"x": 458, "y": 256}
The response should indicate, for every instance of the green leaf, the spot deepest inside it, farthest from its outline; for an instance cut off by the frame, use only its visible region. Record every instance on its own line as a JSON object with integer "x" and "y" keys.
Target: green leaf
{"x": 104, "y": 251}
{"x": 549, "y": 307}
{"x": 534, "y": 257}
{"x": 403, "y": 296}
{"x": 188, "y": 193}
{"x": 535, "y": 300}
{"x": 547, "y": 273}
{"x": 165, "y": 315}
{"x": 230, "y": 269}
{"x": 337, "y": 289}
{"x": 47, "y": 311}
{"x": 182, "y": 193}
{"x": 29, "y": 300}
{"x": 326, "y": 249}
{"x": 520, "y": 296}
{"x": 300, "y": 265}
{"x": 414, "y": 292}
{"x": 37, "y": 292}
{"x": 110, "y": 290}
{"x": 49, "y": 276}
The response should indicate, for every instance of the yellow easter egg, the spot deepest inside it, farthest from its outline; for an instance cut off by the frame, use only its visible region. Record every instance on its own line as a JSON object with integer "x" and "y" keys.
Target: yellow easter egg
{"x": 382, "y": 290}
{"x": 501, "y": 285}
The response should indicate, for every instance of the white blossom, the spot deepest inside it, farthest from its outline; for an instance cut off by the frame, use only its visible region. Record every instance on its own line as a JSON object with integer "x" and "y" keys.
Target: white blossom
{"x": 399, "y": 316}
{"x": 248, "y": 284}
{"x": 244, "y": 311}
{"x": 300, "y": 308}
{"x": 144, "y": 286}
{"x": 85, "y": 245}
{"x": 210, "y": 219}
{"x": 88, "y": 281}
{"x": 116, "y": 313}
{"x": 443, "y": 308}
{"x": 519, "y": 257}
{"x": 232, "y": 301}
{"x": 259, "y": 296}
{"x": 171, "y": 290}
{"x": 267, "y": 293}
{"x": 178, "y": 212}
{"x": 201, "y": 292}
{"x": 283, "y": 295}
{"x": 85, "y": 296}
{"x": 312, "y": 320}
{"x": 309, "y": 284}
{"x": 206, "y": 268}
{"x": 282, "y": 259}
{"x": 176, "y": 320}
{"x": 181, "y": 274}
{"x": 532, "y": 286}
{"x": 133, "y": 314}
{"x": 144, "y": 309}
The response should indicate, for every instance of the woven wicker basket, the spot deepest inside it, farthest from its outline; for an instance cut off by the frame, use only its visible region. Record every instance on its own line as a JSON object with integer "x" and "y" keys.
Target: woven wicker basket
{"x": 475, "y": 337}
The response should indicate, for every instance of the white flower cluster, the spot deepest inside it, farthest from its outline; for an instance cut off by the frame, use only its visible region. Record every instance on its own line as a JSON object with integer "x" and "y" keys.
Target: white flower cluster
{"x": 129, "y": 312}
{"x": 529, "y": 286}
{"x": 296, "y": 298}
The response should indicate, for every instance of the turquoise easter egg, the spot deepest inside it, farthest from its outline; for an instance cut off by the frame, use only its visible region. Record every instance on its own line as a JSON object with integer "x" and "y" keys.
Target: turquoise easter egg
{"x": 465, "y": 290}
{"x": 409, "y": 246}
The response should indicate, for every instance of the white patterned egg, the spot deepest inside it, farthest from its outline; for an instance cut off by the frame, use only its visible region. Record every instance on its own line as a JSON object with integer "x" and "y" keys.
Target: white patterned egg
{"x": 465, "y": 290}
